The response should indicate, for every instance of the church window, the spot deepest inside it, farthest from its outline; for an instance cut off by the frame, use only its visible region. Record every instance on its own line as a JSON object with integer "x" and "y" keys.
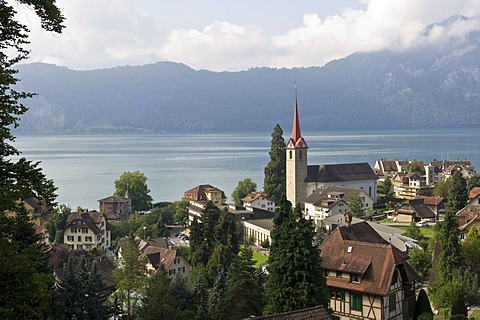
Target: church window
{"x": 290, "y": 154}
{"x": 300, "y": 155}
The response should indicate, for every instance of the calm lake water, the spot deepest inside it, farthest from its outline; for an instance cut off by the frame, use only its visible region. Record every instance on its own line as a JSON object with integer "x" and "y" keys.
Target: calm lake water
{"x": 84, "y": 167}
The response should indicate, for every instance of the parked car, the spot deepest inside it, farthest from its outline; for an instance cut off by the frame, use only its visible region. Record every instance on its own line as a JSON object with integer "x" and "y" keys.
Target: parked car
{"x": 422, "y": 223}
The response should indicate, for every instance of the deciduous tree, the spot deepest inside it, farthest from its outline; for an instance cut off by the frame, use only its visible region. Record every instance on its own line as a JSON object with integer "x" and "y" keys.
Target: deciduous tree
{"x": 274, "y": 182}
{"x": 136, "y": 184}
{"x": 356, "y": 206}
{"x": 244, "y": 187}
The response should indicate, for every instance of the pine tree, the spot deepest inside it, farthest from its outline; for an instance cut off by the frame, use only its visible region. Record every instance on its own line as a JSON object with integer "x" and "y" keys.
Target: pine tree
{"x": 202, "y": 242}
{"x": 295, "y": 278}
{"x": 355, "y": 205}
{"x": 157, "y": 303}
{"x": 422, "y": 306}
{"x": 130, "y": 277}
{"x": 274, "y": 182}
{"x": 182, "y": 296}
{"x": 457, "y": 193}
{"x": 216, "y": 308}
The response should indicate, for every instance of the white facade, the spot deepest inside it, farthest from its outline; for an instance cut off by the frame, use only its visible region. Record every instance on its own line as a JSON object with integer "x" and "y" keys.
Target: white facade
{"x": 82, "y": 235}
{"x": 368, "y": 186}
{"x": 259, "y": 200}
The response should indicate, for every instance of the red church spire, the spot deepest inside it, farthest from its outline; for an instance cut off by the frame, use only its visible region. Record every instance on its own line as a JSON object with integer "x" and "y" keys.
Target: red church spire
{"x": 296, "y": 134}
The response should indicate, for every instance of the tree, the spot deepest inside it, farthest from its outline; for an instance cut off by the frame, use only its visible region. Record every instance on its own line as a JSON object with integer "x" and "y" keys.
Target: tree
{"x": 414, "y": 165}
{"x": 356, "y": 206}
{"x": 56, "y": 223}
{"x": 130, "y": 277}
{"x": 181, "y": 211}
{"x": 295, "y": 278}
{"x": 24, "y": 277}
{"x": 440, "y": 189}
{"x": 203, "y": 240}
{"x": 388, "y": 192}
{"x": 422, "y": 307}
{"x": 413, "y": 231}
{"x": 136, "y": 185}
{"x": 457, "y": 193}
{"x": 244, "y": 188}
{"x": 420, "y": 260}
{"x": 81, "y": 292}
{"x": 157, "y": 303}
{"x": 274, "y": 182}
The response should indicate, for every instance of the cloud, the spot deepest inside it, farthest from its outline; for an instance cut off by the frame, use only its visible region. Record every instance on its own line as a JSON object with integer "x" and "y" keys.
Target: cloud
{"x": 109, "y": 33}
{"x": 219, "y": 46}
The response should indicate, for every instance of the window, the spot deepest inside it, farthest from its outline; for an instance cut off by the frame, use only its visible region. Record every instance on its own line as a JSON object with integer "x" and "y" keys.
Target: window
{"x": 70, "y": 238}
{"x": 355, "y": 301}
{"x": 392, "y": 302}
{"x": 79, "y": 247}
{"x": 300, "y": 155}
{"x": 394, "y": 278}
{"x": 79, "y": 238}
{"x": 88, "y": 239}
{"x": 70, "y": 247}
{"x": 290, "y": 154}
{"x": 73, "y": 230}
{"x": 354, "y": 278}
{"x": 339, "y": 274}
{"x": 183, "y": 269}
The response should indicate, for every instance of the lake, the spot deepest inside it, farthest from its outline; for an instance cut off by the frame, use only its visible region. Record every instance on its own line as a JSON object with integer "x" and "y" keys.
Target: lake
{"x": 84, "y": 167}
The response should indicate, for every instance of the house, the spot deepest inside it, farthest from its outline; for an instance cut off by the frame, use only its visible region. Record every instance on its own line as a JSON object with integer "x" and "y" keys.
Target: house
{"x": 317, "y": 313}
{"x": 420, "y": 209}
{"x": 87, "y": 230}
{"x": 410, "y": 185}
{"x": 474, "y": 196}
{"x": 303, "y": 179}
{"x": 390, "y": 234}
{"x": 333, "y": 200}
{"x": 368, "y": 278}
{"x": 258, "y": 230}
{"x": 438, "y": 170}
{"x": 118, "y": 205}
{"x": 259, "y": 200}
{"x": 35, "y": 210}
{"x": 155, "y": 252}
{"x": 385, "y": 168}
{"x": 467, "y": 218}
{"x": 199, "y": 196}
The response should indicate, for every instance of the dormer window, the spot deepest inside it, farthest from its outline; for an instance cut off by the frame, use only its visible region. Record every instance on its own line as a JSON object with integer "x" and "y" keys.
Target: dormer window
{"x": 394, "y": 278}
{"x": 354, "y": 278}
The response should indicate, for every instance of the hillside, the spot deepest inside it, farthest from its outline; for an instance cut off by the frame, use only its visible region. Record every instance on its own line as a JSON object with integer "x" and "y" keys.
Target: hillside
{"x": 435, "y": 86}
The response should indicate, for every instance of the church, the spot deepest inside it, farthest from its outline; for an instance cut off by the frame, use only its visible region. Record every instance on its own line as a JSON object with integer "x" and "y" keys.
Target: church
{"x": 303, "y": 179}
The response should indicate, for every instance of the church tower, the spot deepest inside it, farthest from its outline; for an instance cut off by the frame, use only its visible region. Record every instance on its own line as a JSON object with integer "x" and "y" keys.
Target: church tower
{"x": 296, "y": 162}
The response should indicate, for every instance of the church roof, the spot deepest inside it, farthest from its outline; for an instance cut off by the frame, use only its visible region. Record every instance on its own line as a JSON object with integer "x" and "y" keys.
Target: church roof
{"x": 296, "y": 137}
{"x": 340, "y": 172}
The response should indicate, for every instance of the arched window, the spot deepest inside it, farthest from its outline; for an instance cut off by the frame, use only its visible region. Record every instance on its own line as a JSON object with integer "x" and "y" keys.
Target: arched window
{"x": 300, "y": 155}
{"x": 290, "y": 154}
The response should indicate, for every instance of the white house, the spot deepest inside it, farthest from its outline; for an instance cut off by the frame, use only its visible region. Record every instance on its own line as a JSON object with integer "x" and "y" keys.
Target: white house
{"x": 259, "y": 200}
{"x": 87, "y": 230}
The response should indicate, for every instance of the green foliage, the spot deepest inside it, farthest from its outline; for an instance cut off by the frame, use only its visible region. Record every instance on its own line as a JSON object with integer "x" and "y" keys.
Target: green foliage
{"x": 166, "y": 298}
{"x": 473, "y": 233}
{"x": 423, "y": 310}
{"x": 413, "y": 231}
{"x": 56, "y": 223}
{"x": 295, "y": 278}
{"x": 386, "y": 194}
{"x": 356, "y": 206}
{"x": 420, "y": 260}
{"x": 441, "y": 189}
{"x": 457, "y": 194}
{"x": 274, "y": 182}
{"x": 473, "y": 182}
{"x": 153, "y": 222}
{"x": 130, "y": 277}
{"x": 244, "y": 187}
{"x": 81, "y": 292}
{"x": 448, "y": 235}
{"x": 414, "y": 165}
{"x": 239, "y": 294}
{"x": 181, "y": 212}
{"x": 471, "y": 254}
{"x": 136, "y": 184}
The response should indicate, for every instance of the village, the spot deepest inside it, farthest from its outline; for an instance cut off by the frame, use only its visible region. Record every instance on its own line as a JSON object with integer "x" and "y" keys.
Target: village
{"x": 365, "y": 263}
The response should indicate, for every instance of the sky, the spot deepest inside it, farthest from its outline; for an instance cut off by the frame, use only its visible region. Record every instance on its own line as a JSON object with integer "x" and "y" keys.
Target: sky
{"x": 226, "y": 35}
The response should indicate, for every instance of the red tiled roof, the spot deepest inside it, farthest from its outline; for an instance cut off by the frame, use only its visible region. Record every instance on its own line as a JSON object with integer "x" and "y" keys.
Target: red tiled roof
{"x": 314, "y": 313}
{"x": 254, "y": 196}
{"x": 474, "y": 192}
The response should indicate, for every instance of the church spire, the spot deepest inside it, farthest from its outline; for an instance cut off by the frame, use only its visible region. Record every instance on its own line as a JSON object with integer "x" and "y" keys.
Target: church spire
{"x": 296, "y": 134}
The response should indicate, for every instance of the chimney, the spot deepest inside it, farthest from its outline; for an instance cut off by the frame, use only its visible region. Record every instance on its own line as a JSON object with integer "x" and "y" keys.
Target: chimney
{"x": 348, "y": 219}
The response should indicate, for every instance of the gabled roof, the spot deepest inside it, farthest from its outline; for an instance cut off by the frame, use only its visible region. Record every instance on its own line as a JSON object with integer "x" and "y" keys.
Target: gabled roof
{"x": 432, "y": 201}
{"x": 90, "y": 219}
{"x": 474, "y": 192}
{"x": 317, "y": 313}
{"x": 340, "y": 172}
{"x": 254, "y": 196}
{"x": 199, "y": 192}
{"x": 333, "y": 193}
{"x": 418, "y": 208}
{"x": 356, "y": 249}
{"x": 114, "y": 198}
{"x": 469, "y": 214}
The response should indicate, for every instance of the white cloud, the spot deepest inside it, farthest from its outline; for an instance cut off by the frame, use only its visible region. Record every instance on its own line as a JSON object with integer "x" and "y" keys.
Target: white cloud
{"x": 108, "y": 33}
{"x": 219, "y": 46}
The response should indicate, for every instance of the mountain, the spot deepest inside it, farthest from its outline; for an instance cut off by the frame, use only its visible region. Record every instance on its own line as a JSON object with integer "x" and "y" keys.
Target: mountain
{"x": 433, "y": 85}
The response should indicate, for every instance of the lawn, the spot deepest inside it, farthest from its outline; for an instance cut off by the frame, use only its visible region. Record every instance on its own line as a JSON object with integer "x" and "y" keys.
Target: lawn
{"x": 427, "y": 231}
{"x": 260, "y": 258}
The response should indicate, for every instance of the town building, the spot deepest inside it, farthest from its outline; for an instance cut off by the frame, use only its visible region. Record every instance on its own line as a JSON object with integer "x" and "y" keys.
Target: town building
{"x": 333, "y": 200}
{"x": 438, "y": 170}
{"x": 199, "y": 196}
{"x": 368, "y": 278}
{"x": 303, "y": 179}
{"x": 410, "y": 185}
{"x": 259, "y": 200}
{"x": 118, "y": 205}
{"x": 429, "y": 209}
{"x": 87, "y": 230}
{"x": 258, "y": 231}
{"x": 317, "y": 313}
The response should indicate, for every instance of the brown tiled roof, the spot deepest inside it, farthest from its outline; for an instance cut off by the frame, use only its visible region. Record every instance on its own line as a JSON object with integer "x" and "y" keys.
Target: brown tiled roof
{"x": 158, "y": 242}
{"x": 114, "y": 199}
{"x": 161, "y": 256}
{"x": 431, "y": 201}
{"x": 467, "y": 215}
{"x": 340, "y": 172}
{"x": 332, "y": 193}
{"x": 317, "y": 313}
{"x": 353, "y": 251}
{"x": 254, "y": 196}
{"x": 199, "y": 192}
{"x": 89, "y": 218}
{"x": 418, "y": 208}
{"x": 474, "y": 192}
